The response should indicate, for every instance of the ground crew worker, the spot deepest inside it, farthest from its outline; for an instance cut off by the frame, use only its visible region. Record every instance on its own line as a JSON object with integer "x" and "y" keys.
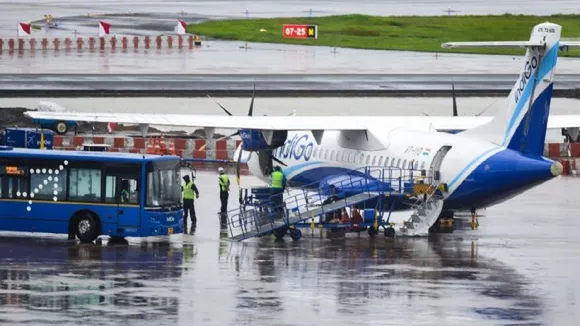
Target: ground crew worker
{"x": 278, "y": 183}
{"x": 224, "y": 183}
{"x": 190, "y": 192}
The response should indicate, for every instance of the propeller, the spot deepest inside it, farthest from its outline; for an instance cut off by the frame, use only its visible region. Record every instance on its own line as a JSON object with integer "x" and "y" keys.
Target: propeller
{"x": 455, "y": 103}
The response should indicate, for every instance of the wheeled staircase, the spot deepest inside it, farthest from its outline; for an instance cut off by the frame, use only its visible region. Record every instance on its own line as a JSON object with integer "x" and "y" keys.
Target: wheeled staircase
{"x": 362, "y": 185}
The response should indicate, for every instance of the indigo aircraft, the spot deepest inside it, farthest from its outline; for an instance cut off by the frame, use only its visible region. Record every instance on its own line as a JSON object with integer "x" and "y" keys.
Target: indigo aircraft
{"x": 490, "y": 161}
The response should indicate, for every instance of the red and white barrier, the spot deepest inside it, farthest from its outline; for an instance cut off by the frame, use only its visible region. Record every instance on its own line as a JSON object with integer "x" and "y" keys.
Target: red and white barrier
{"x": 223, "y": 149}
{"x": 100, "y": 43}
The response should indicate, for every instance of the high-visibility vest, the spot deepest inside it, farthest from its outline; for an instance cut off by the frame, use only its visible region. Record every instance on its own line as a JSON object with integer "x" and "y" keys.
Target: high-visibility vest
{"x": 277, "y": 179}
{"x": 188, "y": 192}
{"x": 224, "y": 182}
{"x": 124, "y": 196}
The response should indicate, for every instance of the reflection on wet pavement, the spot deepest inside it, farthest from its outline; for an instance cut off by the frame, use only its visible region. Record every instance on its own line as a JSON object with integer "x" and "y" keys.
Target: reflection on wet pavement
{"x": 519, "y": 267}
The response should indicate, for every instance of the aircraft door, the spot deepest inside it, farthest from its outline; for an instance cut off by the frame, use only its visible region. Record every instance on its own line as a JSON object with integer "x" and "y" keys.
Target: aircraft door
{"x": 437, "y": 161}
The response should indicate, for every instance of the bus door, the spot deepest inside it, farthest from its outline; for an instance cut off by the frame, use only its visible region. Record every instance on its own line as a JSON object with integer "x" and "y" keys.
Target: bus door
{"x": 123, "y": 188}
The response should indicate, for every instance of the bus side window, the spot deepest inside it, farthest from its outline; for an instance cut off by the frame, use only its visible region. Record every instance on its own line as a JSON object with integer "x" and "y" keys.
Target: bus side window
{"x": 85, "y": 185}
{"x": 110, "y": 189}
{"x": 42, "y": 184}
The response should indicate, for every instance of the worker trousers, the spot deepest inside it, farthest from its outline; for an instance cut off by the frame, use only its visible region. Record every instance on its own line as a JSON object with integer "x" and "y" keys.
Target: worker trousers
{"x": 189, "y": 207}
{"x": 224, "y": 195}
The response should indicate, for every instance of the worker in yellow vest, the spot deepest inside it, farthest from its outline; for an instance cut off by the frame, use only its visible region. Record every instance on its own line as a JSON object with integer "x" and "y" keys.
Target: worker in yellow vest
{"x": 190, "y": 192}
{"x": 278, "y": 183}
{"x": 224, "y": 183}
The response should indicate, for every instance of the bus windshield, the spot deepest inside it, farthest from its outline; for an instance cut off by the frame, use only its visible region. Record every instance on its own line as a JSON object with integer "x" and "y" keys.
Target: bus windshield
{"x": 164, "y": 187}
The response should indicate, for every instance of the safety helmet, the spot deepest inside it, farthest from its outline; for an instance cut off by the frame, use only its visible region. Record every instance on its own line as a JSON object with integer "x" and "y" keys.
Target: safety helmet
{"x": 221, "y": 170}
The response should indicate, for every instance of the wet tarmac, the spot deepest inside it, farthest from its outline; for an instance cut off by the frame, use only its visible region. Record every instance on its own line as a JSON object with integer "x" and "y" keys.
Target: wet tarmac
{"x": 310, "y": 82}
{"x": 77, "y": 18}
{"x": 230, "y": 57}
{"x": 519, "y": 268}
{"x": 366, "y": 106}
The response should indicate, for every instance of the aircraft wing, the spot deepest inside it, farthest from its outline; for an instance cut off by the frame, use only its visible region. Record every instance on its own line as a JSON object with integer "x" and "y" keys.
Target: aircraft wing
{"x": 358, "y": 123}
{"x": 215, "y": 121}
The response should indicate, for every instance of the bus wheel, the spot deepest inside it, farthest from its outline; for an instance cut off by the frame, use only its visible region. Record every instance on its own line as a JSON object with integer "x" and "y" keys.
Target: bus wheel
{"x": 61, "y": 128}
{"x": 86, "y": 228}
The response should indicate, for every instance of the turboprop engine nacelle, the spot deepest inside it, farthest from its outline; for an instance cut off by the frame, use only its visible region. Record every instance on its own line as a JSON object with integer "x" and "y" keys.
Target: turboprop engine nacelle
{"x": 259, "y": 140}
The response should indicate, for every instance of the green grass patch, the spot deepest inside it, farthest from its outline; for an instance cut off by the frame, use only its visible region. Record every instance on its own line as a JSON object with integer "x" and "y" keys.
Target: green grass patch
{"x": 414, "y": 33}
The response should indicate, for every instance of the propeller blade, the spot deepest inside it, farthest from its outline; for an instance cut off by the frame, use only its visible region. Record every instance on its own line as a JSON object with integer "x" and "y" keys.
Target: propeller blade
{"x": 480, "y": 113}
{"x": 252, "y": 103}
{"x": 454, "y": 99}
{"x": 275, "y": 159}
{"x": 221, "y": 106}
{"x": 238, "y": 175}
{"x": 425, "y": 114}
{"x": 225, "y": 137}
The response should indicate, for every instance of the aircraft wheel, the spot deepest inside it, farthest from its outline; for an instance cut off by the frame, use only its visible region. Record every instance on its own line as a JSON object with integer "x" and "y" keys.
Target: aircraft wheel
{"x": 279, "y": 233}
{"x": 390, "y": 232}
{"x": 295, "y": 234}
{"x": 372, "y": 231}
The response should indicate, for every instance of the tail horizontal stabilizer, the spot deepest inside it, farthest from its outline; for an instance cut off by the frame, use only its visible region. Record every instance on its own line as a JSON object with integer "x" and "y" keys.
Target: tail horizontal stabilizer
{"x": 521, "y": 125}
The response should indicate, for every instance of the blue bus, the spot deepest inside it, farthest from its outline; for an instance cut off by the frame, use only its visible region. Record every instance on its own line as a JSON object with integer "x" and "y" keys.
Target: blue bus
{"x": 87, "y": 194}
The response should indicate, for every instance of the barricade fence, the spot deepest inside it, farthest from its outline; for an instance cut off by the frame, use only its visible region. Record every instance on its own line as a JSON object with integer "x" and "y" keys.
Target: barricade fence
{"x": 11, "y": 44}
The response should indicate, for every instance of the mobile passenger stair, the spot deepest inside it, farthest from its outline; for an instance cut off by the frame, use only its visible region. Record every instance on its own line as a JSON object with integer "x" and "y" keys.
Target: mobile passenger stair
{"x": 380, "y": 189}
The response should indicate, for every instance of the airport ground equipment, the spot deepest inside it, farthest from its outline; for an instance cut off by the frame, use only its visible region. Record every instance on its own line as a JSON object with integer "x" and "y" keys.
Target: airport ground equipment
{"x": 382, "y": 189}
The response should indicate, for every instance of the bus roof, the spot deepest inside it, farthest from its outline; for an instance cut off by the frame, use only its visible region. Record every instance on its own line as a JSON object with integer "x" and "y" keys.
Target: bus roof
{"x": 81, "y": 155}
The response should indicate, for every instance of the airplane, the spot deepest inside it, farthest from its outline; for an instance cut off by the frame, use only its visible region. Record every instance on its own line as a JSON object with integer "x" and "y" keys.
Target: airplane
{"x": 492, "y": 160}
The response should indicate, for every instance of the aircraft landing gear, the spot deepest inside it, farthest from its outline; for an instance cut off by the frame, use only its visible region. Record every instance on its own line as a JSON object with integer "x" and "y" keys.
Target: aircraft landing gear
{"x": 474, "y": 220}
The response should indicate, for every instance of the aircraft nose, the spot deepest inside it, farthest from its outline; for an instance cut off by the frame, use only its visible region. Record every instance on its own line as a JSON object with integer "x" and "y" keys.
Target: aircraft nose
{"x": 556, "y": 168}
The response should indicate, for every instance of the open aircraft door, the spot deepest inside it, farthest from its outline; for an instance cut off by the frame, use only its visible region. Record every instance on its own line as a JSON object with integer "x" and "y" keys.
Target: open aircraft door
{"x": 437, "y": 161}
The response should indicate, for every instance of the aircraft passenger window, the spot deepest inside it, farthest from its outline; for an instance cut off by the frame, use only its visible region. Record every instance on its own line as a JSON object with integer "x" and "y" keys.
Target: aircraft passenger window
{"x": 368, "y": 160}
{"x": 332, "y": 155}
{"x": 315, "y": 152}
{"x": 398, "y": 163}
{"x": 362, "y": 157}
{"x": 345, "y": 156}
{"x": 380, "y": 161}
{"x": 374, "y": 160}
{"x": 404, "y": 165}
{"x": 411, "y": 164}
{"x": 326, "y": 154}
{"x": 423, "y": 165}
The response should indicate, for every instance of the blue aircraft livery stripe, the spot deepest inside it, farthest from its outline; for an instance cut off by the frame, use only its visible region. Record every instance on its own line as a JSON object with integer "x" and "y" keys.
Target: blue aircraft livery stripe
{"x": 547, "y": 64}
